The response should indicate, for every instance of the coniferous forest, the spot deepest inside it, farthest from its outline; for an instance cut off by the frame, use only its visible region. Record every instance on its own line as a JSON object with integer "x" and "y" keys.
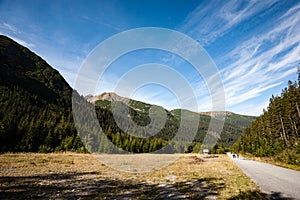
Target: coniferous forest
{"x": 35, "y": 111}
{"x": 276, "y": 132}
{"x": 36, "y": 114}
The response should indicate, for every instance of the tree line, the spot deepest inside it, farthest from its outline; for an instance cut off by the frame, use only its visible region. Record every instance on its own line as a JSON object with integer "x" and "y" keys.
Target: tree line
{"x": 36, "y": 115}
{"x": 276, "y": 132}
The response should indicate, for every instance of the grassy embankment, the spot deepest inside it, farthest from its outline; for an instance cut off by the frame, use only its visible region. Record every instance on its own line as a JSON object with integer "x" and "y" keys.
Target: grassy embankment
{"x": 272, "y": 161}
{"x": 70, "y": 175}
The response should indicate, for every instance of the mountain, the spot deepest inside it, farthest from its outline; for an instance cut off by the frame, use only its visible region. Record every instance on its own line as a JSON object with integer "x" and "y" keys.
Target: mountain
{"x": 109, "y": 96}
{"x": 139, "y": 113}
{"x": 233, "y": 118}
{"x": 36, "y": 115}
{"x": 105, "y": 98}
{"x": 275, "y": 133}
{"x": 35, "y": 112}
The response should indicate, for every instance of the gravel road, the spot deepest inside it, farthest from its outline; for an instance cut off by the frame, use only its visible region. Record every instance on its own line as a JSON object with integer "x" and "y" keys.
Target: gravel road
{"x": 278, "y": 182}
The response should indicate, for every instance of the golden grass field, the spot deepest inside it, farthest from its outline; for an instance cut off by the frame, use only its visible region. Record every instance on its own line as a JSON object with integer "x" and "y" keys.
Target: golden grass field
{"x": 82, "y": 176}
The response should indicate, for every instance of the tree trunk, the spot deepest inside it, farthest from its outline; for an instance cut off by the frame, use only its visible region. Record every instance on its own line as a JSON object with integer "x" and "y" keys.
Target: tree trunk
{"x": 293, "y": 125}
{"x": 283, "y": 131}
{"x": 297, "y": 107}
{"x": 296, "y": 131}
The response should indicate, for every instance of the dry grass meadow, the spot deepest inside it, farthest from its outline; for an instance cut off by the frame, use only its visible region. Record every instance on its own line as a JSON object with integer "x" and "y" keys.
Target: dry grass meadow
{"x": 272, "y": 161}
{"x": 82, "y": 176}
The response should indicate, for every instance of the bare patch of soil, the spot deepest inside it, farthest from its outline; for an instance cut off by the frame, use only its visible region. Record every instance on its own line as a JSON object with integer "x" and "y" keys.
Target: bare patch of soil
{"x": 196, "y": 160}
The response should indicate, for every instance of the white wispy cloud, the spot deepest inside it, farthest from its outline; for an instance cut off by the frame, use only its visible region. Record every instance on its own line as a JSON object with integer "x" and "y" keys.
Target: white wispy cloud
{"x": 115, "y": 26}
{"x": 11, "y": 31}
{"x": 213, "y": 19}
{"x": 258, "y": 63}
{"x": 256, "y": 66}
{"x": 9, "y": 27}
{"x": 255, "y": 108}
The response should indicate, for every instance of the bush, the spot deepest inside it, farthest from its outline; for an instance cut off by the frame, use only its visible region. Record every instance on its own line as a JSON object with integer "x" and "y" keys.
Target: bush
{"x": 289, "y": 156}
{"x": 45, "y": 149}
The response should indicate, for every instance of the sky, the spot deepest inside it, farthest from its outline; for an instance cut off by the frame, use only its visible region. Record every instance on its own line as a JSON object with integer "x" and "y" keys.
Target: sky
{"x": 255, "y": 45}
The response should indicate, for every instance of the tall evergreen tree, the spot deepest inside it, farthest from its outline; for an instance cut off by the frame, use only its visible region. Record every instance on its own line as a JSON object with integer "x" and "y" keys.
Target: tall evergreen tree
{"x": 276, "y": 132}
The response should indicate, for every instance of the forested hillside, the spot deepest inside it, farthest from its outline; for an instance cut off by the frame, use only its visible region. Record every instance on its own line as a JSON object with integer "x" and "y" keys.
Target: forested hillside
{"x": 35, "y": 111}
{"x": 276, "y": 132}
{"x": 36, "y": 114}
{"x": 136, "y": 140}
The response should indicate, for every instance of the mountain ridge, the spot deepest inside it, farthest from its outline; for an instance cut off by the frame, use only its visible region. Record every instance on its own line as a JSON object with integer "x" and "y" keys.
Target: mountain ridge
{"x": 233, "y": 126}
{"x": 112, "y": 96}
{"x": 36, "y": 114}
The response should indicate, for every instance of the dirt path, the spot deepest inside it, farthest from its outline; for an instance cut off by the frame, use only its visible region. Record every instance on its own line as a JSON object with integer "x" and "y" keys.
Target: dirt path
{"x": 276, "y": 181}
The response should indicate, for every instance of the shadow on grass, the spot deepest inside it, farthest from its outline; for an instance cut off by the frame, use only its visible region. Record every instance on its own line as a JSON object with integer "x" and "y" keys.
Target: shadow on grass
{"x": 259, "y": 196}
{"x": 201, "y": 188}
{"x": 90, "y": 185}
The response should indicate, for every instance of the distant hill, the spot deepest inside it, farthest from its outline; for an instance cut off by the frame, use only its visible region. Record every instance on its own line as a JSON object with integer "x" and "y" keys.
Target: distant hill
{"x": 233, "y": 127}
{"x": 36, "y": 114}
{"x": 35, "y": 111}
{"x": 233, "y": 118}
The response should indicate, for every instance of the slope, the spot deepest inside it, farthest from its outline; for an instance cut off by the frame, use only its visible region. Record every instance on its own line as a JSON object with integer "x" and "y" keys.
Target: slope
{"x": 139, "y": 113}
{"x": 275, "y": 133}
{"x": 35, "y": 112}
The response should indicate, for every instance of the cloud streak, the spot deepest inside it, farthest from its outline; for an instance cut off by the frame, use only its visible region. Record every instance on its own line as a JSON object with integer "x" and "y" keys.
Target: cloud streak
{"x": 11, "y": 31}
{"x": 263, "y": 61}
{"x": 255, "y": 44}
{"x": 260, "y": 62}
{"x": 210, "y": 21}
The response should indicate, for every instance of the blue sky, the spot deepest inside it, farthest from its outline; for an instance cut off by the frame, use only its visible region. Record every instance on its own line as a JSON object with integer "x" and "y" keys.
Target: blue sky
{"x": 254, "y": 44}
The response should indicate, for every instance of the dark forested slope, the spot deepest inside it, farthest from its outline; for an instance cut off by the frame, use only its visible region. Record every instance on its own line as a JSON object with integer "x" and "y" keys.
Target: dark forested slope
{"x": 139, "y": 113}
{"x": 35, "y": 111}
{"x": 36, "y": 114}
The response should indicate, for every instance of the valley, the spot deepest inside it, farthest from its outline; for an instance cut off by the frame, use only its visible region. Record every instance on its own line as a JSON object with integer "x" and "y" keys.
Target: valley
{"x": 130, "y": 99}
{"x": 36, "y": 114}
